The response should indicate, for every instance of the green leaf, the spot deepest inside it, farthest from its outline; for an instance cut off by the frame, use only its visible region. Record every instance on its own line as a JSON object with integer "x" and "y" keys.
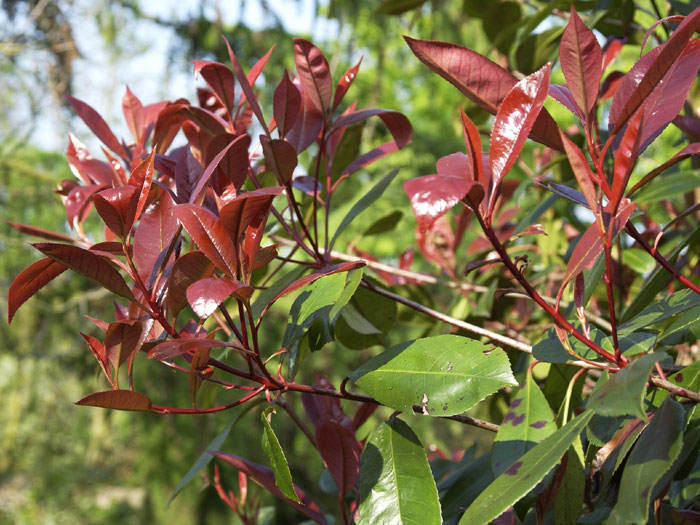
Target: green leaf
{"x": 528, "y": 421}
{"x": 652, "y": 456}
{"x": 669, "y": 306}
{"x": 683, "y": 328}
{"x": 550, "y": 349}
{"x": 525, "y": 474}
{"x": 443, "y": 375}
{"x": 396, "y": 7}
{"x": 461, "y": 488}
{"x": 569, "y": 498}
{"x": 633, "y": 344}
{"x": 384, "y": 224}
{"x": 366, "y": 309}
{"x": 396, "y": 484}
{"x": 623, "y": 393}
{"x": 205, "y": 457}
{"x": 365, "y": 202}
{"x": 668, "y": 186}
{"x": 688, "y": 378}
{"x": 639, "y": 260}
{"x": 347, "y": 150}
{"x": 278, "y": 461}
{"x": 276, "y": 287}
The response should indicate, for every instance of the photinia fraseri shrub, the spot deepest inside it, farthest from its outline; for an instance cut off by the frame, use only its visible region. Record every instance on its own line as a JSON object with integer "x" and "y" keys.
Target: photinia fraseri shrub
{"x": 195, "y": 238}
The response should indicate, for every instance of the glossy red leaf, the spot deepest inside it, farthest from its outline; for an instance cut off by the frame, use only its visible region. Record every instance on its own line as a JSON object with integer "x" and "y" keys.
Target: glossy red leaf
{"x": 264, "y": 477}
{"x": 397, "y": 123}
{"x": 134, "y": 114}
{"x": 84, "y": 167}
{"x": 263, "y": 256}
{"x": 626, "y": 157}
{"x": 167, "y": 125}
{"x": 98, "y": 126}
{"x": 246, "y": 209}
{"x": 581, "y": 62}
{"x": 122, "y": 340}
{"x": 87, "y": 264}
{"x": 153, "y": 235}
{"x": 188, "y": 268}
{"x": 654, "y": 74}
{"x": 314, "y": 73}
{"x": 481, "y": 80}
{"x": 237, "y": 145}
{"x": 286, "y": 105}
{"x": 220, "y": 80}
{"x": 690, "y": 149}
{"x": 308, "y": 124}
{"x": 246, "y": 86}
{"x": 29, "y": 281}
{"x": 432, "y": 196}
{"x": 205, "y": 295}
{"x": 513, "y": 123}
{"x": 117, "y": 207}
{"x": 340, "y": 452}
{"x": 582, "y": 172}
{"x": 142, "y": 177}
{"x": 176, "y": 347}
{"x": 280, "y": 158}
{"x": 472, "y": 141}
{"x": 344, "y": 84}
{"x": 39, "y": 232}
{"x": 118, "y": 400}
{"x": 77, "y": 202}
{"x": 210, "y": 235}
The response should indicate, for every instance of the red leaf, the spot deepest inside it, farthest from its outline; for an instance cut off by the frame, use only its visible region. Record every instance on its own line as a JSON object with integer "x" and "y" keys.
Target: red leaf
{"x": 656, "y": 71}
{"x": 188, "y": 268}
{"x": 314, "y": 73}
{"x": 246, "y": 86}
{"x": 481, "y": 80}
{"x": 168, "y": 123}
{"x": 625, "y": 158}
{"x": 89, "y": 265}
{"x": 188, "y": 171}
{"x": 472, "y": 140}
{"x": 153, "y": 235}
{"x": 84, "y": 167}
{"x": 210, "y": 235}
{"x": 117, "y": 207}
{"x": 257, "y": 70}
{"x": 286, "y": 105}
{"x": 122, "y": 339}
{"x": 98, "y": 350}
{"x": 39, "y": 232}
{"x": 320, "y": 409}
{"x": 581, "y": 62}
{"x": 220, "y": 79}
{"x": 241, "y": 142}
{"x": 340, "y": 452}
{"x": 612, "y": 48}
{"x": 176, "y": 347}
{"x": 98, "y": 126}
{"x": 344, "y": 84}
{"x": 370, "y": 157}
{"x": 206, "y": 295}
{"x": 280, "y": 158}
{"x": 308, "y": 123}
{"x": 563, "y": 95}
{"x": 437, "y": 244}
{"x": 246, "y": 209}
{"x": 29, "y": 281}
{"x": 142, "y": 177}
{"x": 513, "y": 123}
{"x": 582, "y": 172}
{"x": 364, "y": 411}
{"x": 234, "y": 166}
{"x": 77, "y": 202}
{"x": 397, "y": 124}
{"x": 264, "y": 477}
{"x": 133, "y": 114}
{"x": 434, "y": 195}
{"x": 118, "y": 400}
{"x": 610, "y": 84}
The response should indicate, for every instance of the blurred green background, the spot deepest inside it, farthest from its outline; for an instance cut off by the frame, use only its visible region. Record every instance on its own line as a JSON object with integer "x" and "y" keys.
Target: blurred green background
{"x": 66, "y": 464}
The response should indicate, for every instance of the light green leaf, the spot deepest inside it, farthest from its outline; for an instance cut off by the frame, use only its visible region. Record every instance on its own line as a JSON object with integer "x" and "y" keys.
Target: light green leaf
{"x": 442, "y": 375}
{"x": 528, "y": 421}
{"x": 396, "y": 484}
{"x": 633, "y": 344}
{"x": 623, "y": 393}
{"x": 276, "y": 287}
{"x": 668, "y": 186}
{"x": 672, "y": 305}
{"x": 525, "y": 474}
{"x": 652, "y": 456}
{"x": 688, "y": 378}
{"x": 639, "y": 260}
{"x": 685, "y": 327}
{"x": 365, "y": 202}
{"x": 278, "y": 461}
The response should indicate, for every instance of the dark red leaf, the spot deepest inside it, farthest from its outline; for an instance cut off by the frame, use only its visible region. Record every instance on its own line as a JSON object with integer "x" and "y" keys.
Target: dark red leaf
{"x": 582, "y": 172}
{"x": 188, "y": 268}
{"x": 688, "y": 125}
{"x": 365, "y": 410}
{"x": 481, "y": 80}
{"x": 264, "y": 477}
{"x": 286, "y": 105}
{"x": 246, "y": 86}
{"x": 39, "y": 232}
{"x": 340, "y": 452}
{"x": 263, "y": 256}
{"x": 122, "y": 340}
{"x": 513, "y": 123}
{"x": 344, "y": 84}
{"x": 98, "y": 126}
{"x": 246, "y": 209}
{"x": 176, "y": 347}
{"x": 117, "y": 207}
{"x": 153, "y": 235}
{"x": 207, "y": 121}
{"x": 308, "y": 123}
{"x": 581, "y": 62}
{"x": 188, "y": 171}
{"x": 239, "y": 144}
{"x": 234, "y": 166}
{"x": 610, "y": 84}
{"x": 206, "y": 295}
{"x": 563, "y": 95}
{"x": 220, "y": 79}
{"x": 30, "y": 281}
{"x": 611, "y": 50}
{"x": 98, "y": 350}
{"x": 626, "y": 157}
{"x": 118, "y": 400}
{"x": 654, "y": 74}
{"x": 397, "y": 123}
{"x": 370, "y": 157}
{"x": 168, "y": 123}
{"x": 257, "y": 70}
{"x": 314, "y": 73}
{"x": 87, "y": 264}
{"x": 210, "y": 235}
{"x": 280, "y": 158}
{"x": 437, "y": 244}
{"x": 134, "y": 114}
{"x": 472, "y": 141}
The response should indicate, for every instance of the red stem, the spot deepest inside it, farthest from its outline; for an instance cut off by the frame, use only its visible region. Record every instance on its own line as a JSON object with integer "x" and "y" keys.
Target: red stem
{"x": 172, "y": 410}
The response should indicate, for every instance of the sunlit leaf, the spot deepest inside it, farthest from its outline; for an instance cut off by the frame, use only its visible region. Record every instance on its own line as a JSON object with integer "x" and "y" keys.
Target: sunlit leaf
{"x": 117, "y": 400}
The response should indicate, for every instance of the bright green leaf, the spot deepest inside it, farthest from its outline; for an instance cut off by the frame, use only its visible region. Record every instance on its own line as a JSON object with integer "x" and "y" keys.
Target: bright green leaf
{"x": 442, "y": 375}
{"x": 633, "y": 344}
{"x": 525, "y": 474}
{"x": 278, "y": 461}
{"x": 396, "y": 484}
{"x": 672, "y": 305}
